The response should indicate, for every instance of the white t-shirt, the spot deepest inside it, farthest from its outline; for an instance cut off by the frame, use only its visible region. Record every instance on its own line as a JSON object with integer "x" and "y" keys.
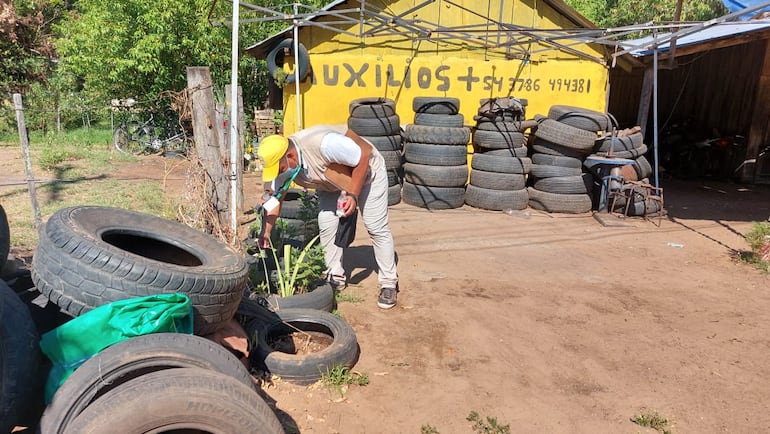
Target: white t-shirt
{"x": 339, "y": 148}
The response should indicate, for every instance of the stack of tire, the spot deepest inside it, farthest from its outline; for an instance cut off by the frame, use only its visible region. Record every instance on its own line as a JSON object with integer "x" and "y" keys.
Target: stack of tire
{"x": 376, "y": 120}
{"x": 436, "y": 154}
{"x": 562, "y": 141}
{"x": 628, "y": 144}
{"x": 499, "y": 165}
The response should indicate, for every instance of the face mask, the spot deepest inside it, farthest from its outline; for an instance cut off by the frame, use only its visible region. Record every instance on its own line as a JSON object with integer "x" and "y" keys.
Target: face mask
{"x": 284, "y": 180}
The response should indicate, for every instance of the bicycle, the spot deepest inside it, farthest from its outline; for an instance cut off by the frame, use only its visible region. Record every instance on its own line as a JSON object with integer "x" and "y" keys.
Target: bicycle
{"x": 143, "y": 138}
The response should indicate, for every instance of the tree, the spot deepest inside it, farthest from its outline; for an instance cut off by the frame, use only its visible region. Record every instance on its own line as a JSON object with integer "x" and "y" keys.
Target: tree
{"x": 615, "y": 13}
{"x": 26, "y": 47}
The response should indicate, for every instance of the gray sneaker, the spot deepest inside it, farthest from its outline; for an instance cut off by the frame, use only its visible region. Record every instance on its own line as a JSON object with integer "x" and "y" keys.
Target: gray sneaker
{"x": 387, "y": 299}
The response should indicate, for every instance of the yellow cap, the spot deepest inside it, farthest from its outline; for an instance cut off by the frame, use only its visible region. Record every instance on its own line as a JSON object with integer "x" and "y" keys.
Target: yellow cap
{"x": 270, "y": 151}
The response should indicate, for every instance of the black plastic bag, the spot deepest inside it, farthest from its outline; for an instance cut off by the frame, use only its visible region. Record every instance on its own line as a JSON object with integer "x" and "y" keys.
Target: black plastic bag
{"x": 346, "y": 231}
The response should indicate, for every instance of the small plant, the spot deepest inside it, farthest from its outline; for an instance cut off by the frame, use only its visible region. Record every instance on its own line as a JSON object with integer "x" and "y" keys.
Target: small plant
{"x": 428, "y": 429}
{"x": 287, "y": 276}
{"x": 279, "y": 77}
{"x": 488, "y": 425}
{"x": 652, "y": 420}
{"x": 337, "y": 378}
{"x": 759, "y": 241}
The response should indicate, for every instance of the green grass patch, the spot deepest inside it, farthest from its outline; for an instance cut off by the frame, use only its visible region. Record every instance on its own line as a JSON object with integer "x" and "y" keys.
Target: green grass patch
{"x": 652, "y": 420}
{"x": 74, "y": 169}
{"x": 338, "y": 378}
{"x": 347, "y": 297}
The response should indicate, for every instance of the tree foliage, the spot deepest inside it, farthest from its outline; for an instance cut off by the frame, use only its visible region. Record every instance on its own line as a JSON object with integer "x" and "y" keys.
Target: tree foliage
{"x": 26, "y": 45}
{"x": 615, "y": 13}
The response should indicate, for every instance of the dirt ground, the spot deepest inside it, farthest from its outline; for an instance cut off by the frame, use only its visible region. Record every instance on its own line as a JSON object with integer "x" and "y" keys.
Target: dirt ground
{"x": 553, "y": 323}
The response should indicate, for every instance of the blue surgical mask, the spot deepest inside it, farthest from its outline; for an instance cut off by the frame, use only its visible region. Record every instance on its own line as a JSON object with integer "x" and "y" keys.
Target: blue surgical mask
{"x": 284, "y": 180}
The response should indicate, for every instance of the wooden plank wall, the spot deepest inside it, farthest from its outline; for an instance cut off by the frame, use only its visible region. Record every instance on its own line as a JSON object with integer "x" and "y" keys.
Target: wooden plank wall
{"x": 715, "y": 89}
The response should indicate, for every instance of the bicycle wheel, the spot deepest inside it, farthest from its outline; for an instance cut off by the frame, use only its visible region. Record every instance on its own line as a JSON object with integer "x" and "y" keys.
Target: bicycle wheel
{"x": 125, "y": 141}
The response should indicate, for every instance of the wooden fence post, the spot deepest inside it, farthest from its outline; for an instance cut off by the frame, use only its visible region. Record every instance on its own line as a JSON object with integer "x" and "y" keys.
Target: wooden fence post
{"x": 21, "y": 125}
{"x": 207, "y": 140}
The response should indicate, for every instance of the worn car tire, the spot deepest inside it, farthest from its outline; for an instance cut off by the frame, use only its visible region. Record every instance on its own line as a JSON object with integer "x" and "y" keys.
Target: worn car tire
{"x": 429, "y": 197}
{"x": 501, "y": 164}
{"x": 544, "y": 171}
{"x": 436, "y": 105}
{"x": 497, "y": 181}
{"x": 498, "y": 139}
{"x": 556, "y": 160}
{"x": 625, "y": 143}
{"x": 437, "y": 135}
{"x": 20, "y": 358}
{"x": 559, "y": 203}
{"x": 578, "y": 117}
{"x": 302, "y": 60}
{"x": 372, "y": 107}
{"x": 435, "y": 155}
{"x": 179, "y": 400}
{"x": 124, "y": 361}
{"x": 565, "y": 135}
{"x": 496, "y": 200}
{"x": 642, "y": 167}
{"x": 437, "y": 176}
{"x": 521, "y": 151}
{"x": 545, "y": 147}
{"x": 320, "y": 298}
{"x": 439, "y": 120}
{"x": 394, "y": 194}
{"x": 394, "y": 160}
{"x": 386, "y": 143}
{"x": 88, "y": 256}
{"x": 382, "y": 126}
{"x": 580, "y": 184}
{"x": 303, "y": 369}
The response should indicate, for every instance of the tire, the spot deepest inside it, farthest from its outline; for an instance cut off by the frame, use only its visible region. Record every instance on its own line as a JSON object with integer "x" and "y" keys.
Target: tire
{"x": 393, "y": 159}
{"x": 394, "y": 194}
{"x": 130, "y": 359}
{"x": 302, "y": 60}
{"x": 88, "y": 256}
{"x": 515, "y": 152}
{"x": 495, "y": 163}
{"x": 559, "y": 203}
{"x": 394, "y": 177}
{"x": 436, "y": 120}
{"x": 125, "y": 140}
{"x": 20, "y": 358}
{"x": 633, "y": 153}
{"x": 184, "y": 400}
{"x": 565, "y": 135}
{"x": 496, "y": 200}
{"x": 436, "y": 176}
{"x": 515, "y": 126}
{"x": 435, "y": 155}
{"x": 555, "y": 160}
{"x": 290, "y": 209}
{"x": 386, "y": 143}
{"x": 436, "y": 105}
{"x": 578, "y": 117}
{"x": 320, "y": 298}
{"x": 497, "y": 181}
{"x": 384, "y": 126}
{"x": 303, "y": 369}
{"x": 626, "y": 143}
{"x": 498, "y": 139}
{"x": 641, "y": 165}
{"x": 506, "y": 105}
{"x": 541, "y": 171}
{"x": 437, "y": 135}
{"x": 433, "y": 197}
{"x": 545, "y": 147}
{"x": 5, "y": 237}
{"x": 373, "y": 107}
{"x": 582, "y": 184}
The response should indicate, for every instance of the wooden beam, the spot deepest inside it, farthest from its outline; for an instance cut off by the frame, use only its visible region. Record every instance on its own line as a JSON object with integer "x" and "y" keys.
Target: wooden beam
{"x": 645, "y": 99}
{"x": 758, "y": 136}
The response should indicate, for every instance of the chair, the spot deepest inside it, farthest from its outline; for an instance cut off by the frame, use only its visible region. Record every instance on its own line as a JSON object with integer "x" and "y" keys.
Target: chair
{"x": 652, "y": 199}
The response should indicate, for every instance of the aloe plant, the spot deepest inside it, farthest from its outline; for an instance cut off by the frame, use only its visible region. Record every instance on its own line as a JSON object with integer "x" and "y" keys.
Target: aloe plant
{"x": 287, "y": 277}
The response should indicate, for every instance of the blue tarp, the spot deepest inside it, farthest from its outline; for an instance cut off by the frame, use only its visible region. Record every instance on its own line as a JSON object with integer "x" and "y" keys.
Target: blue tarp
{"x": 738, "y": 5}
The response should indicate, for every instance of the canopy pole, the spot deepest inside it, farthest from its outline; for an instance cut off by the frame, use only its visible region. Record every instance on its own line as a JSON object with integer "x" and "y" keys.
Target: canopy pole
{"x": 295, "y": 23}
{"x": 234, "y": 138}
{"x": 655, "y": 111}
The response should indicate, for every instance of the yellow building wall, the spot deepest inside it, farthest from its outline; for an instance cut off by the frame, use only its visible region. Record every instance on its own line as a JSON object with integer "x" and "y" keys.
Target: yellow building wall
{"x": 398, "y": 67}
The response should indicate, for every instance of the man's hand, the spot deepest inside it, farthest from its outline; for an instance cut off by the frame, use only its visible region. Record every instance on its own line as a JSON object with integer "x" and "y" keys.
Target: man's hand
{"x": 351, "y": 202}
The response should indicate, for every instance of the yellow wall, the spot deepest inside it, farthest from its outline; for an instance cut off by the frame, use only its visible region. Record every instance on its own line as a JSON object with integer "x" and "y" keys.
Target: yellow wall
{"x": 395, "y": 66}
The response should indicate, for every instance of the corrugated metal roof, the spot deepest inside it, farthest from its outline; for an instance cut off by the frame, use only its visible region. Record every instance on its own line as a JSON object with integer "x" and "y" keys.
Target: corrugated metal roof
{"x": 708, "y": 34}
